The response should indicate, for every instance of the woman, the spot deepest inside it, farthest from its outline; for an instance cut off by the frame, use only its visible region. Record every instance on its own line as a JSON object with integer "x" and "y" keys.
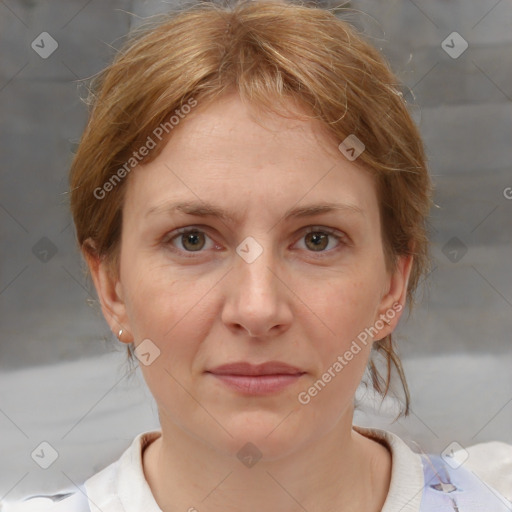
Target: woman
{"x": 251, "y": 195}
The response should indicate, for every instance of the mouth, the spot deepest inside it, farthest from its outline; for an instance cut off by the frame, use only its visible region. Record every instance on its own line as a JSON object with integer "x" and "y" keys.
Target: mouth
{"x": 245, "y": 368}
{"x": 261, "y": 379}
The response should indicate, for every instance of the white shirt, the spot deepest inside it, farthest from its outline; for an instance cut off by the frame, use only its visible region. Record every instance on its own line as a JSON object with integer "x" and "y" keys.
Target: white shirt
{"x": 122, "y": 487}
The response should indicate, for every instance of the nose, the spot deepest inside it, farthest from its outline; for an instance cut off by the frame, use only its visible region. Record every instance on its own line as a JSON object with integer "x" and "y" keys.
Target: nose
{"x": 257, "y": 299}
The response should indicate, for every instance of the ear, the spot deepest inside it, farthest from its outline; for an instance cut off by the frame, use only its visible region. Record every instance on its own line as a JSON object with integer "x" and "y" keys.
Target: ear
{"x": 109, "y": 290}
{"x": 393, "y": 300}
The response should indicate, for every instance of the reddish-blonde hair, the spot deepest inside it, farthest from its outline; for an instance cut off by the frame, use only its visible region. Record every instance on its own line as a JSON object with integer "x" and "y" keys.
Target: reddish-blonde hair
{"x": 270, "y": 52}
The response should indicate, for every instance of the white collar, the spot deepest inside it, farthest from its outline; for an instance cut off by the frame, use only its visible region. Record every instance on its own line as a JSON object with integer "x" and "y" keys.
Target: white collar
{"x": 122, "y": 487}
{"x": 407, "y": 477}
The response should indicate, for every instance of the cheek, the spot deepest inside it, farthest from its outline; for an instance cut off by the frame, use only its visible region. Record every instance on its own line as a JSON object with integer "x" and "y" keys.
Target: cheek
{"x": 342, "y": 352}
{"x": 154, "y": 288}
{"x": 346, "y": 307}
{"x": 169, "y": 312}
{"x": 173, "y": 311}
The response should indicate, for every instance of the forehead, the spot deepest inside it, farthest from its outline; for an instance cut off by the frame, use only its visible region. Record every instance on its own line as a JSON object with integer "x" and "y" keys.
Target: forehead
{"x": 228, "y": 152}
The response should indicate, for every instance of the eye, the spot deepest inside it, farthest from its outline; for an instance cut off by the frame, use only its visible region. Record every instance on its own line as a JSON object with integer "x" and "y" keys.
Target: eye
{"x": 317, "y": 238}
{"x": 190, "y": 239}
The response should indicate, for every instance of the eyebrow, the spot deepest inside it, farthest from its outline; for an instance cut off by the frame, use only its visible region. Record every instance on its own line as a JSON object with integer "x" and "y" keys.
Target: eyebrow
{"x": 204, "y": 209}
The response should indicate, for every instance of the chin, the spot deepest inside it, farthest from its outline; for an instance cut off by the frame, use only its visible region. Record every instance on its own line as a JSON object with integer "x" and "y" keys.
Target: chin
{"x": 259, "y": 434}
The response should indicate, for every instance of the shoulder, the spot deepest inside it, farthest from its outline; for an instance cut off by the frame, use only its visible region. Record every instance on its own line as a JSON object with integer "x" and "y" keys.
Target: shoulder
{"x": 124, "y": 475}
{"x": 66, "y": 501}
{"x": 478, "y": 477}
{"x": 491, "y": 462}
{"x": 449, "y": 482}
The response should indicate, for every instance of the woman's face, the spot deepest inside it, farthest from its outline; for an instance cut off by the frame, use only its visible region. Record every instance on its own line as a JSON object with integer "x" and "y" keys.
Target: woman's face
{"x": 261, "y": 284}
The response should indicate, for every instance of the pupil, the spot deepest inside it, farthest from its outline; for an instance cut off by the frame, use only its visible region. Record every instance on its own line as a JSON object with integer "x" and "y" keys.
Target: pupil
{"x": 192, "y": 239}
{"x": 317, "y": 239}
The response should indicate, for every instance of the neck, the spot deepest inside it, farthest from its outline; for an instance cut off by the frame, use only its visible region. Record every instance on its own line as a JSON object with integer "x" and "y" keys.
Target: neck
{"x": 342, "y": 471}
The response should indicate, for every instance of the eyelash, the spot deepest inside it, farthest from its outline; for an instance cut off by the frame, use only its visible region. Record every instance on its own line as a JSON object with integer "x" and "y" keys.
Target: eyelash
{"x": 340, "y": 237}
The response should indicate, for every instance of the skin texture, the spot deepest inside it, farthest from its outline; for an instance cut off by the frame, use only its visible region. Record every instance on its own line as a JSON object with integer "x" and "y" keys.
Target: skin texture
{"x": 293, "y": 304}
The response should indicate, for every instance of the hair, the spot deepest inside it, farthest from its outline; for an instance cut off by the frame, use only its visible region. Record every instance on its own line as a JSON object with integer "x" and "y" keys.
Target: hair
{"x": 271, "y": 52}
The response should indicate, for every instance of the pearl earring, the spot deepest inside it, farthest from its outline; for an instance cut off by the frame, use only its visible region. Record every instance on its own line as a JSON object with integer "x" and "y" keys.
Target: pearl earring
{"x": 120, "y": 333}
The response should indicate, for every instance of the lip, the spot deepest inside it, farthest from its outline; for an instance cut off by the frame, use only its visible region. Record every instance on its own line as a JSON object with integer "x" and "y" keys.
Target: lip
{"x": 245, "y": 368}
{"x": 262, "y": 379}
{"x": 258, "y": 384}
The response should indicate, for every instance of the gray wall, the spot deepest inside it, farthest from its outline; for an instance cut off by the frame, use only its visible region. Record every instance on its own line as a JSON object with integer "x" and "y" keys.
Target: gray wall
{"x": 463, "y": 106}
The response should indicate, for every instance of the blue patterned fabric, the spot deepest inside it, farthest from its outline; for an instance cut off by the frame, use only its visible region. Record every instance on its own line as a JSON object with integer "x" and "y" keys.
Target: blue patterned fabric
{"x": 456, "y": 489}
